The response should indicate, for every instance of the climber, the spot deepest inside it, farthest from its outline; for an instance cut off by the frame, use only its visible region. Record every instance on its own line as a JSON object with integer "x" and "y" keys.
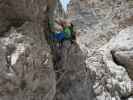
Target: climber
{"x": 56, "y": 32}
{"x": 68, "y": 29}
{"x": 61, "y": 30}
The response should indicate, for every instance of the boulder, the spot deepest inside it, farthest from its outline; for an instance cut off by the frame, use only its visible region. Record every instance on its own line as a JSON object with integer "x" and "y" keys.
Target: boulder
{"x": 125, "y": 58}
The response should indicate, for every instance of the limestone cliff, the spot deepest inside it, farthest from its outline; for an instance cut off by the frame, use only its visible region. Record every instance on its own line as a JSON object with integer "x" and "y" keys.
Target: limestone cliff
{"x": 31, "y": 69}
{"x": 106, "y": 38}
{"x": 98, "y": 67}
{"x": 26, "y": 64}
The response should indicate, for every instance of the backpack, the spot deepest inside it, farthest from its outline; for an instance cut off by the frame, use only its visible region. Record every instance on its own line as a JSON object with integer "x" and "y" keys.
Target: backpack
{"x": 67, "y": 33}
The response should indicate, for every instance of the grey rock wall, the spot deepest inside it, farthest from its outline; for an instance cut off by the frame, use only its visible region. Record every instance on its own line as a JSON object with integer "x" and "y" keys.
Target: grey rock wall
{"x": 27, "y": 70}
{"x": 31, "y": 69}
{"x": 108, "y": 48}
{"x": 23, "y": 9}
{"x": 73, "y": 82}
{"x": 110, "y": 66}
{"x": 26, "y": 65}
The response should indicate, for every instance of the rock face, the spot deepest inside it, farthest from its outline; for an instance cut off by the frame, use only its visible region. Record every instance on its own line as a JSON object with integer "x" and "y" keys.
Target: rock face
{"x": 26, "y": 64}
{"x": 122, "y": 52}
{"x": 100, "y": 20}
{"x": 98, "y": 67}
{"x": 30, "y": 67}
{"x": 106, "y": 38}
{"x": 73, "y": 82}
{"x": 125, "y": 58}
{"x": 109, "y": 64}
{"x": 23, "y": 9}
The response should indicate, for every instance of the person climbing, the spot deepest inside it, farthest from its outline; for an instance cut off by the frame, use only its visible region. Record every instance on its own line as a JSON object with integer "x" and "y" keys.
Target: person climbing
{"x": 56, "y": 35}
{"x": 70, "y": 33}
{"x": 61, "y": 30}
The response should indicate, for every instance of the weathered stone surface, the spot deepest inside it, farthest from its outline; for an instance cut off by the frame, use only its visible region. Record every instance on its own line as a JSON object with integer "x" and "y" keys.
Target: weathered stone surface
{"x": 108, "y": 65}
{"x": 28, "y": 72}
{"x": 72, "y": 83}
{"x": 125, "y": 58}
{"x": 98, "y": 21}
{"x": 15, "y": 13}
{"x": 4, "y": 26}
{"x": 23, "y": 9}
{"x": 123, "y": 53}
